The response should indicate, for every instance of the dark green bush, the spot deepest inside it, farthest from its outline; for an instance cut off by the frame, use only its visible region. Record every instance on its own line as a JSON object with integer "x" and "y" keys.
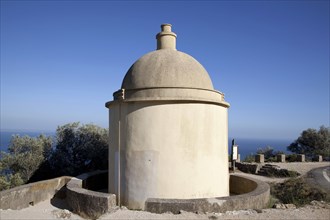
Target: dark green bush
{"x": 79, "y": 149}
{"x": 271, "y": 159}
{"x": 76, "y": 149}
{"x": 291, "y": 158}
{"x": 24, "y": 157}
{"x": 249, "y": 158}
{"x": 297, "y": 191}
{"x": 281, "y": 173}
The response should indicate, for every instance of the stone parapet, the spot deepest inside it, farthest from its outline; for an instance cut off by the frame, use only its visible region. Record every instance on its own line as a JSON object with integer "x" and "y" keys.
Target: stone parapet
{"x": 30, "y": 194}
{"x": 280, "y": 158}
{"x": 88, "y": 203}
{"x": 249, "y": 194}
{"x": 301, "y": 157}
{"x": 260, "y": 158}
{"x": 318, "y": 158}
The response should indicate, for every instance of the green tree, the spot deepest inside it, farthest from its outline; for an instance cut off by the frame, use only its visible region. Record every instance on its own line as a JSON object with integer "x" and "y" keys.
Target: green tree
{"x": 249, "y": 158}
{"x": 25, "y": 155}
{"x": 267, "y": 151}
{"x": 79, "y": 148}
{"x": 75, "y": 150}
{"x": 312, "y": 142}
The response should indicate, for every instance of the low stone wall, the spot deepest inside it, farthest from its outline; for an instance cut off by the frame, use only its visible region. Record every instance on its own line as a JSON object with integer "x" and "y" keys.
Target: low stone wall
{"x": 260, "y": 158}
{"x": 249, "y": 194}
{"x": 30, "y": 194}
{"x": 318, "y": 158}
{"x": 253, "y": 194}
{"x": 88, "y": 203}
{"x": 249, "y": 167}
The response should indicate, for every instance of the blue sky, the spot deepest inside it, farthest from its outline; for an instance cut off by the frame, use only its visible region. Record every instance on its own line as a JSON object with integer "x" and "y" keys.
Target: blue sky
{"x": 62, "y": 60}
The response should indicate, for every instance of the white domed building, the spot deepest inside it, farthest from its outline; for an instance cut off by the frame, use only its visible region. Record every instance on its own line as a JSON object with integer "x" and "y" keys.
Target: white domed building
{"x": 168, "y": 130}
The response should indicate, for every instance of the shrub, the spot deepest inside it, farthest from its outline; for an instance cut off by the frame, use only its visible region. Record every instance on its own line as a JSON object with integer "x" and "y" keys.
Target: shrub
{"x": 296, "y": 191}
{"x": 76, "y": 149}
{"x": 269, "y": 153}
{"x": 25, "y": 156}
{"x": 266, "y": 151}
{"x": 272, "y": 201}
{"x": 271, "y": 159}
{"x": 280, "y": 173}
{"x": 291, "y": 158}
{"x": 4, "y": 183}
{"x": 249, "y": 158}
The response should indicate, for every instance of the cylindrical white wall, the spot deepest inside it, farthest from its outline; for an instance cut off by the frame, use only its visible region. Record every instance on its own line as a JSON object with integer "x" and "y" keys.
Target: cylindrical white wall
{"x": 167, "y": 150}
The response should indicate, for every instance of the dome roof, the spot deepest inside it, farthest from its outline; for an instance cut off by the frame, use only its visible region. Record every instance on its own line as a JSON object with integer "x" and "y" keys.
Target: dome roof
{"x": 167, "y": 68}
{"x": 167, "y": 75}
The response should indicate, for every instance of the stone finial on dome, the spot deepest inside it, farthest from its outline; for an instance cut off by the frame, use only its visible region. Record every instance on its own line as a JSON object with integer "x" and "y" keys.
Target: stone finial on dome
{"x": 166, "y": 39}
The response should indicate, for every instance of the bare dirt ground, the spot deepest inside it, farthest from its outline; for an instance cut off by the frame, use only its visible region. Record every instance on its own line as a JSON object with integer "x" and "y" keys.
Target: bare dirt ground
{"x": 316, "y": 210}
{"x": 45, "y": 210}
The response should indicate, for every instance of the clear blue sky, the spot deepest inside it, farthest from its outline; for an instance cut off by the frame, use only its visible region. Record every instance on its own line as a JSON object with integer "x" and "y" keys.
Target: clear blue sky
{"x": 62, "y": 60}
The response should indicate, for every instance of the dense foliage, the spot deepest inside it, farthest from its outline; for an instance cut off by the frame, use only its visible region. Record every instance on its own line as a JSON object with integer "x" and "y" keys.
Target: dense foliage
{"x": 79, "y": 149}
{"x": 297, "y": 191}
{"x": 249, "y": 158}
{"x": 25, "y": 155}
{"x": 269, "y": 153}
{"x": 312, "y": 142}
{"x": 74, "y": 150}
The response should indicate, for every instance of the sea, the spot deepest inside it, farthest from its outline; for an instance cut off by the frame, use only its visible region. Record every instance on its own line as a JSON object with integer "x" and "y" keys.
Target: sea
{"x": 246, "y": 146}
{"x": 5, "y": 136}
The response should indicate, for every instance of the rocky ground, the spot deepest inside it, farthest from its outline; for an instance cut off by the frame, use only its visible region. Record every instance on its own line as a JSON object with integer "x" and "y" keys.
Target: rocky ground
{"x": 316, "y": 210}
